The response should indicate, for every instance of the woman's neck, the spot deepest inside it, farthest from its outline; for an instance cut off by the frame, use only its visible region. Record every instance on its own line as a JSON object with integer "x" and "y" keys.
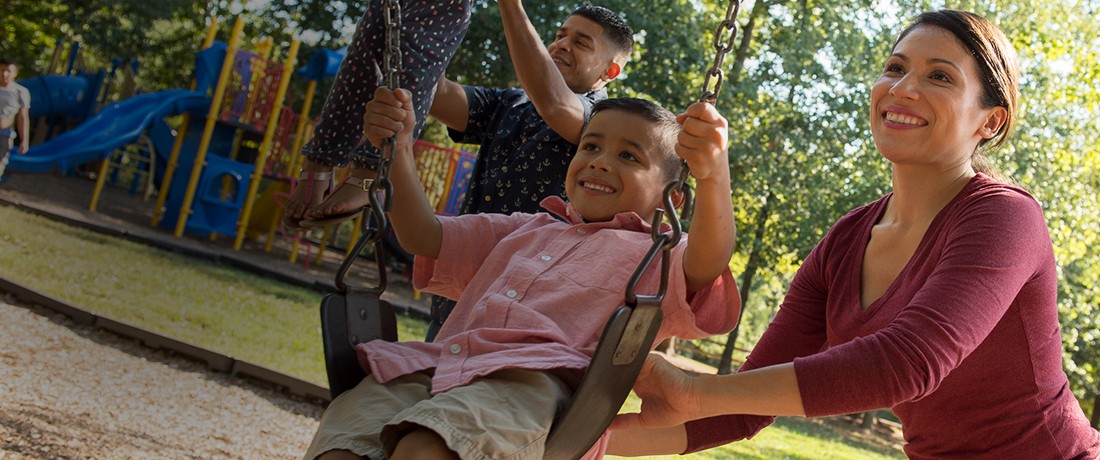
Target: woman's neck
{"x": 920, "y": 194}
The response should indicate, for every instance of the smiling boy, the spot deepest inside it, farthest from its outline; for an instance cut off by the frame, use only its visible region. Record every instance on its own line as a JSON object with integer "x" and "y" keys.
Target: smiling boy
{"x": 535, "y": 290}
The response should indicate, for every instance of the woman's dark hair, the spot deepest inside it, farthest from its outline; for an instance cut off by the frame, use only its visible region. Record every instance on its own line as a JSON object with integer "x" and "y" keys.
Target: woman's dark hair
{"x": 998, "y": 66}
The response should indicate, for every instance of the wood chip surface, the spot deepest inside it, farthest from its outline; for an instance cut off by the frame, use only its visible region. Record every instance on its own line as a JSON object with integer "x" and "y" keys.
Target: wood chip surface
{"x": 68, "y": 391}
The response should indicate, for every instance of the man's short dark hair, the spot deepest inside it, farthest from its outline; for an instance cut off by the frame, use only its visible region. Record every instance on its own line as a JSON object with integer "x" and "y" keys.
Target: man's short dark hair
{"x": 618, "y": 32}
{"x": 6, "y": 61}
{"x": 664, "y": 122}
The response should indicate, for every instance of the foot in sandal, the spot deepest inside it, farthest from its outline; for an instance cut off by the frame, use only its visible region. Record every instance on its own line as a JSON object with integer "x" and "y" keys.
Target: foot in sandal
{"x": 314, "y": 184}
{"x": 345, "y": 203}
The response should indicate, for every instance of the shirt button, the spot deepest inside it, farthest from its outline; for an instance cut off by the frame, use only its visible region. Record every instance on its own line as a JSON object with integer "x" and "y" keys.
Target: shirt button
{"x": 546, "y": 258}
{"x": 581, "y": 231}
{"x": 456, "y": 348}
{"x": 511, "y": 293}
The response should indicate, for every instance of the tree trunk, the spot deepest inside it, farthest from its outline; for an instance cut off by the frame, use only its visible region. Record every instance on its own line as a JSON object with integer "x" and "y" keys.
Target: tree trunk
{"x": 725, "y": 365}
{"x": 1095, "y": 422}
{"x": 869, "y": 420}
{"x": 747, "y": 30}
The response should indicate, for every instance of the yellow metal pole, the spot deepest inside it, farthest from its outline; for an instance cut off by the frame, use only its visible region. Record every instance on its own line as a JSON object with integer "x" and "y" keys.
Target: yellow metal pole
{"x": 174, "y": 158}
{"x": 100, "y": 181}
{"x": 354, "y": 235}
{"x": 300, "y": 130}
{"x": 265, "y": 146}
{"x": 324, "y": 244}
{"x": 271, "y": 228}
{"x": 295, "y": 152}
{"x": 294, "y": 250}
{"x": 208, "y": 130}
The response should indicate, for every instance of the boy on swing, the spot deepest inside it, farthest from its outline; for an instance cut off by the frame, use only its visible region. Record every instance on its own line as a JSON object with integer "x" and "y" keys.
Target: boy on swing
{"x": 535, "y": 290}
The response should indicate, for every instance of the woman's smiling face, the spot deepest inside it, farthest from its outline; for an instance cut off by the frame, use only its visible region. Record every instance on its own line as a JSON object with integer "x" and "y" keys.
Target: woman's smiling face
{"x": 926, "y": 105}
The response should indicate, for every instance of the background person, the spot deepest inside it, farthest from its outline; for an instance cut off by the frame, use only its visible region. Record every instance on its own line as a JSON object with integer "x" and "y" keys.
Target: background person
{"x": 15, "y": 102}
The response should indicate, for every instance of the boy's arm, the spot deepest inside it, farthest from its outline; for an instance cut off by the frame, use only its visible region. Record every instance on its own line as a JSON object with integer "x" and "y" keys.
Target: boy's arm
{"x": 450, "y": 106}
{"x": 702, "y": 143}
{"x": 22, "y": 126}
{"x": 537, "y": 74}
{"x": 412, "y": 216}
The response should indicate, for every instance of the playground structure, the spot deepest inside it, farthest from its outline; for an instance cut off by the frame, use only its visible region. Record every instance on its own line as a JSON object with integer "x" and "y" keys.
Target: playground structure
{"x": 235, "y": 149}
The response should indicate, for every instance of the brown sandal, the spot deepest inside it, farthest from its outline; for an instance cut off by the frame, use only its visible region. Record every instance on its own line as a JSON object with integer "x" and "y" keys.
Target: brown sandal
{"x": 340, "y": 217}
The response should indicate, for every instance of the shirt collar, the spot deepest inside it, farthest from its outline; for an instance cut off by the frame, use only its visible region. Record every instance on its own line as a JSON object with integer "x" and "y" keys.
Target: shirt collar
{"x": 565, "y": 212}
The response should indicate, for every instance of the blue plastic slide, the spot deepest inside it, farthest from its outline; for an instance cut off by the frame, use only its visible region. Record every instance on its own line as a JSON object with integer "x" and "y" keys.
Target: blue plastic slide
{"x": 113, "y": 127}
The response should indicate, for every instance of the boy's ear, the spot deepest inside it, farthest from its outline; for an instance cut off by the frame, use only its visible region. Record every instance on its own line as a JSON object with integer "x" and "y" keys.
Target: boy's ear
{"x": 678, "y": 199}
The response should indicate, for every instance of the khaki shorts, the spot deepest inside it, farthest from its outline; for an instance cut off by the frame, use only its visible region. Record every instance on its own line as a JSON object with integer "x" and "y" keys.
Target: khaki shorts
{"x": 506, "y": 415}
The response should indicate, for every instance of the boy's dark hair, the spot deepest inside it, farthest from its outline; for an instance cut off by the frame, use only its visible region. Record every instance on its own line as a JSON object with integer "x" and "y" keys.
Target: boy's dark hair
{"x": 618, "y": 32}
{"x": 5, "y": 61}
{"x": 664, "y": 122}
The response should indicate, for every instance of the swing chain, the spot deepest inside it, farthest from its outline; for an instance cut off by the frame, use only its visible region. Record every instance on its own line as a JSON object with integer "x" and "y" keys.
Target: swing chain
{"x": 391, "y": 68}
{"x": 723, "y": 43}
{"x": 380, "y": 191}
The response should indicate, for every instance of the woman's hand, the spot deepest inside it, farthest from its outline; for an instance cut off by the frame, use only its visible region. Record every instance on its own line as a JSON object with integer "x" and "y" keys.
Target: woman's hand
{"x": 668, "y": 397}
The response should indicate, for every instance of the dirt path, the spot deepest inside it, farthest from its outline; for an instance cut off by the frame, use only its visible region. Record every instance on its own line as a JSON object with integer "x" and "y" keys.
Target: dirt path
{"x": 72, "y": 392}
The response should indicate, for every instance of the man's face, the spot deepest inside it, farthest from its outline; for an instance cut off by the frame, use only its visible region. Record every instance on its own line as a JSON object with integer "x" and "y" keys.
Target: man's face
{"x": 8, "y": 73}
{"x": 582, "y": 53}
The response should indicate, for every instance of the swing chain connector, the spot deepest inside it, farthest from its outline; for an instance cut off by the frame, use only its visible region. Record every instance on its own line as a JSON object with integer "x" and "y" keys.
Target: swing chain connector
{"x": 723, "y": 43}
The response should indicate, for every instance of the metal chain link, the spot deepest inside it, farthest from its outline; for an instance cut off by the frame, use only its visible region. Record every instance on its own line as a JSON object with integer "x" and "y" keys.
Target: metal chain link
{"x": 392, "y": 69}
{"x": 722, "y": 44}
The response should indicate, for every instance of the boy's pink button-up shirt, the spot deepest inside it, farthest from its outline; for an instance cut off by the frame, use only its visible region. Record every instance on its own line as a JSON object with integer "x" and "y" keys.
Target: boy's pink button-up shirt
{"x": 534, "y": 292}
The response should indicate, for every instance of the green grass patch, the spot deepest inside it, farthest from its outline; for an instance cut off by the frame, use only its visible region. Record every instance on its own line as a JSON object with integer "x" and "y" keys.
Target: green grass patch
{"x": 223, "y": 309}
{"x": 268, "y": 322}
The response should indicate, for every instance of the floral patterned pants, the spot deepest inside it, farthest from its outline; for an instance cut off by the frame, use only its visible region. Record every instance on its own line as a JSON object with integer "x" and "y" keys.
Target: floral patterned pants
{"x": 431, "y": 31}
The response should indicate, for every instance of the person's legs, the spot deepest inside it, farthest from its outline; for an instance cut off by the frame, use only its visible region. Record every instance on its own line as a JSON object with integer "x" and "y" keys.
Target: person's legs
{"x": 352, "y": 423}
{"x": 5, "y": 150}
{"x": 423, "y": 444}
{"x": 506, "y": 414}
{"x": 430, "y": 33}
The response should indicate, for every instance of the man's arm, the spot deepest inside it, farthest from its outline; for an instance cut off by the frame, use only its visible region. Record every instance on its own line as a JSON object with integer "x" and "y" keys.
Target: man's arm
{"x": 450, "y": 106}
{"x": 418, "y": 231}
{"x": 702, "y": 143}
{"x": 23, "y": 127}
{"x": 540, "y": 78}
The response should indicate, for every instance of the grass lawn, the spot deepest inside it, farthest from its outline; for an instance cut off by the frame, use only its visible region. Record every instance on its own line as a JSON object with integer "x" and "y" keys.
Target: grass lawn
{"x": 264, "y": 321}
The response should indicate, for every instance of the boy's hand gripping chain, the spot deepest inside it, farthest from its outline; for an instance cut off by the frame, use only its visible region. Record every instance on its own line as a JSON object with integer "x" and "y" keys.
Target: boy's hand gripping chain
{"x": 352, "y": 316}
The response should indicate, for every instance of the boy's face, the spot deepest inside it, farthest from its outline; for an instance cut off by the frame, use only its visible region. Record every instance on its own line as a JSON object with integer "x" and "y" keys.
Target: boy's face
{"x": 8, "y": 73}
{"x": 617, "y": 168}
{"x": 582, "y": 53}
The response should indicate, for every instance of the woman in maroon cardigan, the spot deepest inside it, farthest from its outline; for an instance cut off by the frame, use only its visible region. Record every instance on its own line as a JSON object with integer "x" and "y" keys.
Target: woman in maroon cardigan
{"x": 937, "y": 301}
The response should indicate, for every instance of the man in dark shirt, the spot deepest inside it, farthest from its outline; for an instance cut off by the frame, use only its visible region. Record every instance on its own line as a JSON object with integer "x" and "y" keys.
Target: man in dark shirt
{"x": 528, "y": 135}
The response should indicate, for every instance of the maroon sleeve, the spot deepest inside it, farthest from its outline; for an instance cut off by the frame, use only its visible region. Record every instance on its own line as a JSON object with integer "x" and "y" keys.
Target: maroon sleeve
{"x": 992, "y": 244}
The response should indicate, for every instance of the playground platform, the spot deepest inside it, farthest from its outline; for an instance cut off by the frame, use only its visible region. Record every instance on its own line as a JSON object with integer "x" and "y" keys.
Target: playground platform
{"x": 126, "y": 215}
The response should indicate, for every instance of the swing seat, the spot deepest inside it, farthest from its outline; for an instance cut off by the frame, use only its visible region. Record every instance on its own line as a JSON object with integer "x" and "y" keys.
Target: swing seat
{"x": 347, "y": 320}
{"x": 357, "y": 317}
